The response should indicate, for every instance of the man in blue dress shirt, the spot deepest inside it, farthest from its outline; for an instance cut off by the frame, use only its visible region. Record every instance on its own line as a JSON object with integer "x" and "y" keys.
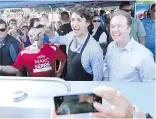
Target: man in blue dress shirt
{"x": 126, "y": 59}
{"x": 149, "y": 25}
{"x": 85, "y": 57}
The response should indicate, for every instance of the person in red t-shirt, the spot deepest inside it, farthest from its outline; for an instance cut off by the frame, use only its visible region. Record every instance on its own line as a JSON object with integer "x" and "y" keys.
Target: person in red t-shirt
{"x": 39, "y": 59}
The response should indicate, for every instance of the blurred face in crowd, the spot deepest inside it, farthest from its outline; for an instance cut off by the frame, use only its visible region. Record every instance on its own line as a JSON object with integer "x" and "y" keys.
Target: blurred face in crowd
{"x": 12, "y": 15}
{"x": 96, "y": 21}
{"x": 58, "y": 24}
{"x": 44, "y": 20}
{"x": 25, "y": 29}
{"x": 153, "y": 13}
{"x": 13, "y": 33}
{"x": 32, "y": 35}
{"x": 145, "y": 14}
{"x": 12, "y": 24}
{"x": 79, "y": 25}
{"x": 3, "y": 31}
{"x": 119, "y": 28}
{"x": 127, "y": 8}
{"x": 40, "y": 36}
{"x": 7, "y": 12}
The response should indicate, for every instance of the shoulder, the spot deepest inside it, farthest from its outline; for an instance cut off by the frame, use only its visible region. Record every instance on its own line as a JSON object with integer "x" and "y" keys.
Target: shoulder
{"x": 52, "y": 46}
{"x": 142, "y": 50}
{"x": 144, "y": 21}
{"x": 11, "y": 39}
{"x": 111, "y": 45}
{"x": 23, "y": 51}
{"x": 93, "y": 46}
{"x": 138, "y": 21}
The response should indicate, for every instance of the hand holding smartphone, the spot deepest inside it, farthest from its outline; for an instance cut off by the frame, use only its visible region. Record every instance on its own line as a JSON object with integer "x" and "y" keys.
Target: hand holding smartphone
{"x": 76, "y": 103}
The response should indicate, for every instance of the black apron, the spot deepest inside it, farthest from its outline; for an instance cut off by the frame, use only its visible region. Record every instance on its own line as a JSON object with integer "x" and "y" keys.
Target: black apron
{"x": 75, "y": 69}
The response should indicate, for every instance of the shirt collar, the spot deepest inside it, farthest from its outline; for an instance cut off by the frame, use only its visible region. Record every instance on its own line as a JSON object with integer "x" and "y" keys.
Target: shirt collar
{"x": 82, "y": 41}
{"x": 130, "y": 44}
{"x": 128, "y": 47}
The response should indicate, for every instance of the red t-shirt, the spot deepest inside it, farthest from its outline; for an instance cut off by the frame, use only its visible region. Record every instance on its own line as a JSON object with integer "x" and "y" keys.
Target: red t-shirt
{"x": 41, "y": 64}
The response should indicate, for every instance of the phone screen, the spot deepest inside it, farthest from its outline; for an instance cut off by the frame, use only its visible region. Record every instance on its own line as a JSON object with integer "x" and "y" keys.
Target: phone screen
{"x": 74, "y": 104}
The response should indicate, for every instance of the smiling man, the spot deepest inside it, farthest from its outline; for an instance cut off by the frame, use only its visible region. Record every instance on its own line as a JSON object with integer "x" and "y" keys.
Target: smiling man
{"x": 126, "y": 59}
{"x": 85, "y": 57}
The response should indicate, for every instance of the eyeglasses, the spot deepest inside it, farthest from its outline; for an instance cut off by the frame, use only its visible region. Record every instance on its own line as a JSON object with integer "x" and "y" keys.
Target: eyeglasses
{"x": 2, "y": 30}
{"x": 96, "y": 20}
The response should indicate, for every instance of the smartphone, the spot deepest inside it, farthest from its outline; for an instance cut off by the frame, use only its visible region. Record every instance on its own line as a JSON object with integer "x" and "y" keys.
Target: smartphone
{"x": 76, "y": 103}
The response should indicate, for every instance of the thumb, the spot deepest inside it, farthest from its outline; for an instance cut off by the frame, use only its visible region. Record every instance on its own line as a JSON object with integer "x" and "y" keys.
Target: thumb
{"x": 53, "y": 114}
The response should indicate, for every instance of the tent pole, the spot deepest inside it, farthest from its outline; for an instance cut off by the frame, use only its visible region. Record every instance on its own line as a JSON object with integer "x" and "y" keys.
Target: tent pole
{"x": 52, "y": 19}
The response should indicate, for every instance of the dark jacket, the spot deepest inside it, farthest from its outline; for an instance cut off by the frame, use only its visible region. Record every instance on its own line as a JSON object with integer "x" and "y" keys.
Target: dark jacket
{"x": 9, "y": 51}
{"x": 97, "y": 35}
{"x": 64, "y": 29}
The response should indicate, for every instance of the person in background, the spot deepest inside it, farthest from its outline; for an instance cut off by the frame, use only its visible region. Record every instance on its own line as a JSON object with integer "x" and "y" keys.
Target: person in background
{"x": 102, "y": 17}
{"x": 38, "y": 59}
{"x": 44, "y": 19}
{"x": 133, "y": 62}
{"x": 149, "y": 13}
{"x": 98, "y": 33}
{"x": 16, "y": 32}
{"x": 33, "y": 21}
{"x": 145, "y": 14}
{"x": 9, "y": 47}
{"x": 42, "y": 28}
{"x": 12, "y": 23}
{"x": 84, "y": 54}
{"x": 6, "y": 15}
{"x": 149, "y": 25}
{"x": 63, "y": 30}
{"x": 25, "y": 30}
{"x": 58, "y": 24}
{"x": 137, "y": 28}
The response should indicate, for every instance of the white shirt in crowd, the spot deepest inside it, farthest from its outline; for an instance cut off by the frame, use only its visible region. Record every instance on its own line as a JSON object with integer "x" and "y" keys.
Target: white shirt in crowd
{"x": 103, "y": 37}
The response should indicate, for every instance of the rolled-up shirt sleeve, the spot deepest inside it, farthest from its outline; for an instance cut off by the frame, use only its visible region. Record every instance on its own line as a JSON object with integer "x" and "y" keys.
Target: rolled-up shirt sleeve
{"x": 147, "y": 69}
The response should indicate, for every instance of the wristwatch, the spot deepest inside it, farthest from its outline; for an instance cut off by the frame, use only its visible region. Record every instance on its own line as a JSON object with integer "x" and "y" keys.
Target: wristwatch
{"x": 136, "y": 112}
{"x": 148, "y": 116}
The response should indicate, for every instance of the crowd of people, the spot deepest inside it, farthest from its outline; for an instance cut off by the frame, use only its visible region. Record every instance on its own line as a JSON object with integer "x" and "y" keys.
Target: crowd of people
{"x": 80, "y": 46}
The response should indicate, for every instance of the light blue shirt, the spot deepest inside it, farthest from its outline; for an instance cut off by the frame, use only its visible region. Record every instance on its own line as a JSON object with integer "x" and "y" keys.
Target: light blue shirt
{"x": 134, "y": 63}
{"x": 92, "y": 56}
{"x": 150, "y": 34}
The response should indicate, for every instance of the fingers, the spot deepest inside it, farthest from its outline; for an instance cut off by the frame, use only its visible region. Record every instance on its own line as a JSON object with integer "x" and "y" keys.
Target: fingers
{"x": 53, "y": 114}
{"x": 108, "y": 93}
{"x": 103, "y": 111}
